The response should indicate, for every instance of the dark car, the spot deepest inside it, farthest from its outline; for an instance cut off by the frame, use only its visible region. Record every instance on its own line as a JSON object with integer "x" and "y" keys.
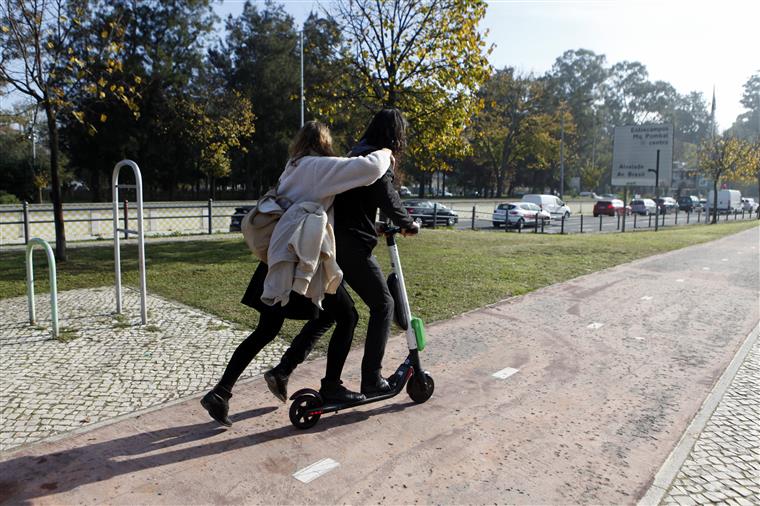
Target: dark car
{"x": 688, "y": 203}
{"x": 425, "y": 211}
{"x": 612, "y": 207}
{"x": 237, "y": 217}
{"x": 666, "y": 205}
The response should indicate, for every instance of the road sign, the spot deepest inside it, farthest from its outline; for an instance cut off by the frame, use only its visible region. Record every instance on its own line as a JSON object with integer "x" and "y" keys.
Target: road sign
{"x": 635, "y": 153}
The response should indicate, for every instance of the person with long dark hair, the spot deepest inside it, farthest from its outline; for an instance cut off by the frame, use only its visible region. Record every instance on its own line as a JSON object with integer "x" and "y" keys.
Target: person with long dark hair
{"x": 356, "y": 237}
{"x": 294, "y": 285}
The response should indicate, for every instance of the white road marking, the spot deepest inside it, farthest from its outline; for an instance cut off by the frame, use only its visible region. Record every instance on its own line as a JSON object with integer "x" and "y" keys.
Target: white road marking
{"x": 705, "y": 268}
{"x": 315, "y": 470}
{"x": 646, "y": 297}
{"x": 595, "y": 325}
{"x": 724, "y": 259}
{"x": 679, "y": 280}
{"x": 505, "y": 373}
{"x": 637, "y": 338}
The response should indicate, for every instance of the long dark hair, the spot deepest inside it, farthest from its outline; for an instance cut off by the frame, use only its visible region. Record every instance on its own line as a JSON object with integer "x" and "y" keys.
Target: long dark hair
{"x": 387, "y": 130}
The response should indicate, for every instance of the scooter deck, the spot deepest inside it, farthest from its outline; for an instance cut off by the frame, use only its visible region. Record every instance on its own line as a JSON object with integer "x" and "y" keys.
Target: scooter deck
{"x": 340, "y": 406}
{"x": 332, "y": 407}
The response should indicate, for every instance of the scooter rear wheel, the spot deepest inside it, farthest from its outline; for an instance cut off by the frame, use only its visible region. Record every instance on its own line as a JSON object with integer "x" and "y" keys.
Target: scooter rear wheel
{"x": 420, "y": 391}
{"x": 299, "y": 411}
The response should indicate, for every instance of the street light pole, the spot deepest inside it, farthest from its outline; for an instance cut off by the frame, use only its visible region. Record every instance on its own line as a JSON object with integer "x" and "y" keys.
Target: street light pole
{"x": 562, "y": 157}
{"x": 302, "y": 98}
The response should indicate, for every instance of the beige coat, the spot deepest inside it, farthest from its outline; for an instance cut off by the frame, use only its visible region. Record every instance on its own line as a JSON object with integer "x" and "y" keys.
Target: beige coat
{"x": 301, "y": 243}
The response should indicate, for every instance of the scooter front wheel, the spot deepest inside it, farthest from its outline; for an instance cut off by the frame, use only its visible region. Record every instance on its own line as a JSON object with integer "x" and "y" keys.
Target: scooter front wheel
{"x": 420, "y": 389}
{"x": 304, "y": 412}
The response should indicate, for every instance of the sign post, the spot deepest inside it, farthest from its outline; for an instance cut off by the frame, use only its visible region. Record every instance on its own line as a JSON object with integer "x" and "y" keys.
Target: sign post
{"x": 637, "y": 153}
{"x": 656, "y": 189}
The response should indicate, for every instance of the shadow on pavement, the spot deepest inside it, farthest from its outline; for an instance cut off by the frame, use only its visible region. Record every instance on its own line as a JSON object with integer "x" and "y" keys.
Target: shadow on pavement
{"x": 25, "y": 478}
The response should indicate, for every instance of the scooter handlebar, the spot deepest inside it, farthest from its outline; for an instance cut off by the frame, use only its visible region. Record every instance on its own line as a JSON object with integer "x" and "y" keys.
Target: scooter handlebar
{"x": 387, "y": 229}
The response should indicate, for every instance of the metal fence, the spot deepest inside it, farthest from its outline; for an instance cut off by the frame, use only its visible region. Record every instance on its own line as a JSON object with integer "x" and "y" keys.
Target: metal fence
{"x": 480, "y": 217}
{"x": 95, "y": 221}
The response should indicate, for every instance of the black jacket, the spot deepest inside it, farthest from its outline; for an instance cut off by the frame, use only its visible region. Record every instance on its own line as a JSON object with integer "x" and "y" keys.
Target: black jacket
{"x": 356, "y": 210}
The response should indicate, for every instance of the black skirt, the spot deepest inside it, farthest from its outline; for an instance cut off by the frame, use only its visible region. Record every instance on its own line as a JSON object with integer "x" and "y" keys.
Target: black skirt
{"x": 297, "y": 308}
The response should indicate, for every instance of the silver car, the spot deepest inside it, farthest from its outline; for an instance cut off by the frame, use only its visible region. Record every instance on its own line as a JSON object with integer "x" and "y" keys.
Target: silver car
{"x": 643, "y": 206}
{"x": 519, "y": 215}
{"x": 749, "y": 204}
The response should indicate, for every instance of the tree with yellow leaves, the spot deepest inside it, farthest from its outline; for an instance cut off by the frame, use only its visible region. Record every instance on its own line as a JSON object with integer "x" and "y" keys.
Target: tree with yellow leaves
{"x": 724, "y": 157}
{"x": 38, "y": 59}
{"x": 517, "y": 134}
{"x": 215, "y": 125}
{"x": 426, "y": 58}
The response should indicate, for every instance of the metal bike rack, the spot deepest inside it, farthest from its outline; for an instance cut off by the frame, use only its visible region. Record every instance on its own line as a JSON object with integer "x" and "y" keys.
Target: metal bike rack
{"x": 36, "y": 241}
{"x": 139, "y": 233}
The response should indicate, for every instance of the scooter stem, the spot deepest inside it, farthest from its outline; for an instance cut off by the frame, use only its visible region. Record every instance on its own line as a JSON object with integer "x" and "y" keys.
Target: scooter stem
{"x": 390, "y": 240}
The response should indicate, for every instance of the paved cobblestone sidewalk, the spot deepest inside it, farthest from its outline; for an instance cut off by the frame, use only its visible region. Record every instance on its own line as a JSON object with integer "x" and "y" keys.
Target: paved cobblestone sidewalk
{"x": 111, "y": 366}
{"x": 724, "y": 465}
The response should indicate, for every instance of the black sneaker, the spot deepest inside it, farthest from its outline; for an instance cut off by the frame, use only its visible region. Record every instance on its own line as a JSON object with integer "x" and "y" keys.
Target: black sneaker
{"x": 217, "y": 407}
{"x": 335, "y": 392}
{"x": 278, "y": 384}
{"x": 377, "y": 386}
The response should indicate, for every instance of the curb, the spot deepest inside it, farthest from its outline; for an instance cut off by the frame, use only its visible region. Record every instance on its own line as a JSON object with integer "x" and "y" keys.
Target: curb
{"x": 672, "y": 465}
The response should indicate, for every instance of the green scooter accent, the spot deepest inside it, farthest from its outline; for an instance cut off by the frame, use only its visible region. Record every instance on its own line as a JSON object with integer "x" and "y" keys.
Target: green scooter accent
{"x": 419, "y": 332}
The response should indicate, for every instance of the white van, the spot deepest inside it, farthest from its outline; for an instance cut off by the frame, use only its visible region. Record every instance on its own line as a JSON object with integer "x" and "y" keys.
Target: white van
{"x": 728, "y": 201}
{"x": 550, "y": 203}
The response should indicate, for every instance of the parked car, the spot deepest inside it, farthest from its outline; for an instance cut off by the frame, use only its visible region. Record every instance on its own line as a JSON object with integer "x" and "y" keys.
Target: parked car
{"x": 643, "y": 206}
{"x": 237, "y": 217}
{"x": 667, "y": 205}
{"x": 557, "y": 209}
{"x": 425, "y": 211}
{"x": 609, "y": 196}
{"x": 589, "y": 194}
{"x": 404, "y": 192}
{"x": 613, "y": 207}
{"x": 749, "y": 204}
{"x": 688, "y": 203}
{"x": 519, "y": 215}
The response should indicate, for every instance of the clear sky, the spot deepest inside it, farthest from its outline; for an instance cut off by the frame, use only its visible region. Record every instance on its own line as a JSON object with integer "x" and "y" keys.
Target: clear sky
{"x": 692, "y": 44}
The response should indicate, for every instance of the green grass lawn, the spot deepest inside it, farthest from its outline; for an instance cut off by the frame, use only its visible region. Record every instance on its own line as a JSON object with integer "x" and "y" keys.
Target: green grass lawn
{"x": 447, "y": 272}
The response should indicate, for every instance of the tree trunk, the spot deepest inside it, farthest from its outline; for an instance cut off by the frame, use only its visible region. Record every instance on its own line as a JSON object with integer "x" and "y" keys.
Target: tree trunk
{"x": 499, "y": 183}
{"x": 95, "y": 185}
{"x": 55, "y": 185}
{"x": 715, "y": 202}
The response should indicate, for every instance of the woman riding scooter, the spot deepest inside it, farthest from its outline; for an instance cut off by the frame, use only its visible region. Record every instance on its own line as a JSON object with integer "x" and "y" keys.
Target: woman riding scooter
{"x": 356, "y": 237}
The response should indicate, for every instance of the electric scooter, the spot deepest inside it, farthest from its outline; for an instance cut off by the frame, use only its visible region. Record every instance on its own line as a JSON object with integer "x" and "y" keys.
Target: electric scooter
{"x": 308, "y": 406}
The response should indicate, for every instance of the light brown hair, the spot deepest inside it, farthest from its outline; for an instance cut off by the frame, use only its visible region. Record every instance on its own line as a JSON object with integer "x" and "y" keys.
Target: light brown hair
{"x": 313, "y": 139}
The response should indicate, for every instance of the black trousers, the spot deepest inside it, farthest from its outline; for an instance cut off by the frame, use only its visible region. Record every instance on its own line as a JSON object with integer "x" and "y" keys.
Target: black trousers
{"x": 338, "y": 309}
{"x": 364, "y": 275}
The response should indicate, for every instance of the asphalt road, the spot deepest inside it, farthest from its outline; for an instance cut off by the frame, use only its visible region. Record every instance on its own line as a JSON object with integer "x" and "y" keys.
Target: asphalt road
{"x": 607, "y": 370}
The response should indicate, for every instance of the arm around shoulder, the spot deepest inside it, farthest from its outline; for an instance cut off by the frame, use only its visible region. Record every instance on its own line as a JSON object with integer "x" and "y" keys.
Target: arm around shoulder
{"x": 344, "y": 174}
